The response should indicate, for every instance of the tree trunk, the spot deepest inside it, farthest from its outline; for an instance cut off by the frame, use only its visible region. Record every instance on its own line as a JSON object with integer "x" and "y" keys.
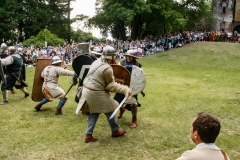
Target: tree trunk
{"x": 69, "y": 23}
{"x": 121, "y": 30}
{"x": 136, "y": 27}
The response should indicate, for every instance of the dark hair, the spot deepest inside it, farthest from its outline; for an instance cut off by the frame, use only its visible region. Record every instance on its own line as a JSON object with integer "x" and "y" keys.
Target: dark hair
{"x": 208, "y": 127}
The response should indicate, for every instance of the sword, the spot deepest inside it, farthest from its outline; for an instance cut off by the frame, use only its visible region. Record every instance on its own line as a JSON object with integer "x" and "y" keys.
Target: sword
{"x": 120, "y": 105}
{"x": 68, "y": 90}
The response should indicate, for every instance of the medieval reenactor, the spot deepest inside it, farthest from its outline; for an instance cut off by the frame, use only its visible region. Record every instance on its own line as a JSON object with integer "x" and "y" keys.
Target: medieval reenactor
{"x": 131, "y": 104}
{"x": 50, "y": 88}
{"x": 95, "y": 94}
{"x": 22, "y": 79}
{"x": 3, "y": 54}
{"x": 96, "y": 52}
{"x": 13, "y": 64}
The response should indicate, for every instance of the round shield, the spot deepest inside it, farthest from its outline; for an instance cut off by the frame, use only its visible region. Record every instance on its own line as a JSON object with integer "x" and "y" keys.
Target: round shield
{"x": 138, "y": 79}
{"x": 121, "y": 74}
{"x": 81, "y": 65}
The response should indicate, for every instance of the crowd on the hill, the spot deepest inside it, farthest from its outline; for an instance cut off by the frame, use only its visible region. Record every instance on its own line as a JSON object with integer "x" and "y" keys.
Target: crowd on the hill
{"x": 147, "y": 46}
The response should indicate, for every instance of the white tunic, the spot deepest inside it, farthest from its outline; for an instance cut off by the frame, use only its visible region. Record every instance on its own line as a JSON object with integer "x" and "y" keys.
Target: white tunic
{"x": 97, "y": 85}
{"x": 51, "y": 76}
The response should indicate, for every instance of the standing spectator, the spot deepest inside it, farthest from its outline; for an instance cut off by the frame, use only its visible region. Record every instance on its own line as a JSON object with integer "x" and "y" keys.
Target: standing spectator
{"x": 125, "y": 47}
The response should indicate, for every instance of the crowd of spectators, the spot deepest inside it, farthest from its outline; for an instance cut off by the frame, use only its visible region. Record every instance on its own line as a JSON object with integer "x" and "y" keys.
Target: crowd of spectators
{"x": 145, "y": 47}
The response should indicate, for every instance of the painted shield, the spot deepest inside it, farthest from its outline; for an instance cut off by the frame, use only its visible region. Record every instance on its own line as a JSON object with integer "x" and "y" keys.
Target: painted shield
{"x": 121, "y": 74}
{"x": 138, "y": 79}
{"x": 37, "y": 94}
{"x": 81, "y": 65}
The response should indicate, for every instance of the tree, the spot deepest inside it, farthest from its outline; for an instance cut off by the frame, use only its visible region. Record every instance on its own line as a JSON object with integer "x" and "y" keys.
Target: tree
{"x": 20, "y": 19}
{"x": 144, "y": 17}
{"x": 39, "y": 39}
{"x": 79, "y": 36}
{"x": 117, "y": 16}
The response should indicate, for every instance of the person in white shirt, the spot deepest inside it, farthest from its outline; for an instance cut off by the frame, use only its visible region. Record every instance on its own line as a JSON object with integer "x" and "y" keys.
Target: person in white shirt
{"x": 204, "y": 131}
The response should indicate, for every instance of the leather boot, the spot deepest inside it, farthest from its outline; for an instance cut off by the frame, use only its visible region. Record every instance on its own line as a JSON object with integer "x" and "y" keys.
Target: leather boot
{"x": 134, "y": 116}
{"x": 118, "y": 133}
{"x": 12, "y": 91}
{"x": 89, "y": 138}
{"x": 59, "y": 111}
{"x": 38, "y": 107}
{"x": 134, "y": 122}
{"x": 122, "y": 110}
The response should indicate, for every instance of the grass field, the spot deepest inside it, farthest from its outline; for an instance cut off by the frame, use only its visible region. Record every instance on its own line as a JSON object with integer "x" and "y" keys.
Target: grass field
{"x": 199, "y": 77}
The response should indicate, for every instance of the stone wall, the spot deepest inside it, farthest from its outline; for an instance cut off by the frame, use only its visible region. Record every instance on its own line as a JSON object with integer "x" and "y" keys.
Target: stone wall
{"x": 223, "y": 13}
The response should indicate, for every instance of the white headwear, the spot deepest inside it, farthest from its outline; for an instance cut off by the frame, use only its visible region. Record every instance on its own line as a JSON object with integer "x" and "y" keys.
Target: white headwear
{"x": 56, "y": 59}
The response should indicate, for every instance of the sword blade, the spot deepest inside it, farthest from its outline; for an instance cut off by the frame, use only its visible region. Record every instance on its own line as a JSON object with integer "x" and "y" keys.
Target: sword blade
{"x": 120, "y": 105}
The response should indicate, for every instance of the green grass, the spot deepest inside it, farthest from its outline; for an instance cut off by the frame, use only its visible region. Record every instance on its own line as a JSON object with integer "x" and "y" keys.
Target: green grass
{"x": 180, "y": 83}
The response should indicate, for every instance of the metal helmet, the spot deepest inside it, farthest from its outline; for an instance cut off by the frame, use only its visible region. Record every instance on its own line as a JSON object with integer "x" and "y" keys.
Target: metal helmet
{"x": 132, "y": 53}
{"x": 3, "y": 45}
{"x": 12, "y": 49}
{"x": 109, "y": 52}
{"x": 56, "y": 59}
{"x": 20, "y": 50}
{"x": 97, "y": 51}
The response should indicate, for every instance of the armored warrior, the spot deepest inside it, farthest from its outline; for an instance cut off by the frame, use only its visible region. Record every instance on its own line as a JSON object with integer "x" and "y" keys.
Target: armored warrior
{"x": 131, "y": 104}
{"x": 50, "y": 86}
{"x": 3, "y": 54}
{"x": 95, "y": 94}
{"x": 21, "y": 85}
{"x": 3, "y": 50}
{"x": 13, "y": 64}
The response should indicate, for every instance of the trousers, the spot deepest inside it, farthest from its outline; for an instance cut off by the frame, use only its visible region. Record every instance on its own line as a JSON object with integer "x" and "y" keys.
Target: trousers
{"x": 92, "y": 120}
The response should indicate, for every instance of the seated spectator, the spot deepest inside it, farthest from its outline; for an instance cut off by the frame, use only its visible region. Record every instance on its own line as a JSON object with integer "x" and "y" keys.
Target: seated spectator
{"x": 204, "y": 131}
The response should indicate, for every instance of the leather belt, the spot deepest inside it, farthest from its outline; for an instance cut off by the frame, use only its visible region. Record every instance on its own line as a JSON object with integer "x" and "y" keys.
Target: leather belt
{"x": 91, "y": 89}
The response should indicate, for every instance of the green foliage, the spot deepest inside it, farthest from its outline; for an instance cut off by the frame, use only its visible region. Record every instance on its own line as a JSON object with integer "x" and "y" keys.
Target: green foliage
{"x": 153, "y": 17}
{"x": 39, "y": 39}
{"x": 19, "y": 20}
{"x": 80, "y": 36}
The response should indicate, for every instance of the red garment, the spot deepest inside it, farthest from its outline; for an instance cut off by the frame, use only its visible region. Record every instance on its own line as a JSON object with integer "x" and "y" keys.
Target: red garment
{"x": 114, "y": 62}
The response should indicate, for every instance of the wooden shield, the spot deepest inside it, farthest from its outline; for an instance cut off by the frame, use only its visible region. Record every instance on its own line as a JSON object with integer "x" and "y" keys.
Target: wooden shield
{"x": 121, "y": 74}
{"x": 37, "y": 94}
{"x": 138, "y": 79}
